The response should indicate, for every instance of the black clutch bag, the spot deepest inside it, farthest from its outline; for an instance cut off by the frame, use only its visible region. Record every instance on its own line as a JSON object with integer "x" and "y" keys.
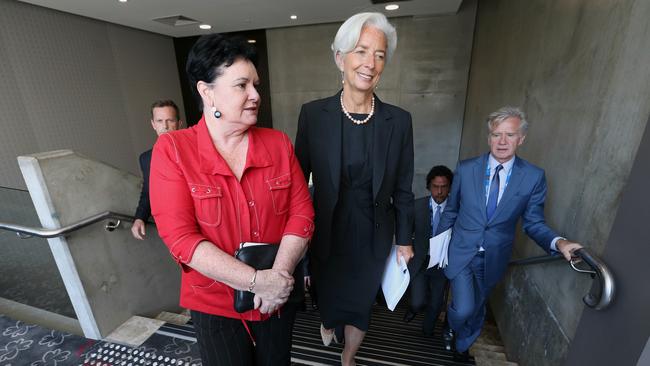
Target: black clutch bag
{"x": 259, "y": 256}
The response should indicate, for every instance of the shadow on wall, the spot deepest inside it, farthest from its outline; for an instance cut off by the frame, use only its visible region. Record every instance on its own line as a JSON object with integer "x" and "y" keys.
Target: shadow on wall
{"x": 28, "y": 273}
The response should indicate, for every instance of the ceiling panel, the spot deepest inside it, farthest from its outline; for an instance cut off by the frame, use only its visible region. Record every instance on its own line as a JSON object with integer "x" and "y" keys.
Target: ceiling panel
{"x": 236, "y": 15}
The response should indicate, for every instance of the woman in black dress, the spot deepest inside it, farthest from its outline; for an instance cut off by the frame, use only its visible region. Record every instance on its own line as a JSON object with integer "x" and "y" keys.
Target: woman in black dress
{"x": 360, "y": 154}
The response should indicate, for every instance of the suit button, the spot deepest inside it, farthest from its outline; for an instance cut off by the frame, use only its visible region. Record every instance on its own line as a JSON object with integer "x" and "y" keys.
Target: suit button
{"x": 377, "y": 226}
{"x": 376, "y": 204}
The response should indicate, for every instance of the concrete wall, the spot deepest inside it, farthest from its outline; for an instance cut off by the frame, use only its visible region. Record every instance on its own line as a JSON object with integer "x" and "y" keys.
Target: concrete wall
{"x": 580, "y": 70}
{"x": 69, "y": 82}
{"x": 109, "y": 276}
{"x": 619, "y": 335}
{"x": 427, "y": 77}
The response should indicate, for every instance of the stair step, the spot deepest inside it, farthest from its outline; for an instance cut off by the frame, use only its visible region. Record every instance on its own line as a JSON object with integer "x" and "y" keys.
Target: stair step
{"x": 488, "y": 347}
{"x": 489, "y": 340}
{"x": 178, "y": 319}
{"x": 477, "y": 353}
{"x": 135, "y": 331}
{"x": 488, "y": 350}
{"x": 490, "y": 337}
{"x": 493, "y": 362}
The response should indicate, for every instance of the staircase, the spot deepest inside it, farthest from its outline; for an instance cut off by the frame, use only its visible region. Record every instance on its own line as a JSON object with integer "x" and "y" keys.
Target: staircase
{"x": 169, "y": 340}
{"x": 488, "y": 349}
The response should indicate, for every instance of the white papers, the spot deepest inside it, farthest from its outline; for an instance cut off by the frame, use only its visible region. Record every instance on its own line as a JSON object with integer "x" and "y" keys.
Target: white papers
{"x": 438, "y": 248}
{"x": 395, "y": 279}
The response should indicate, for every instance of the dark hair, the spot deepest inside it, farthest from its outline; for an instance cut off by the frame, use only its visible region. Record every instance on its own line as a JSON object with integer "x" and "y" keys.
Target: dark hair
{"x": 165, "y": 103}
{"x": 439, "y": 171}
{"x": 210, "y": 54}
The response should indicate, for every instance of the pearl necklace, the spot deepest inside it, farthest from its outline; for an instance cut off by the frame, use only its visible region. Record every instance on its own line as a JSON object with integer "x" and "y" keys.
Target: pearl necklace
{"x": 356, "y": 121}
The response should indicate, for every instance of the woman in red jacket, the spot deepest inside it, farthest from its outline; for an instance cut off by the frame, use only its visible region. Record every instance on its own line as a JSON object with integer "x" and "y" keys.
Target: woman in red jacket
{"x": 224, "y": 182}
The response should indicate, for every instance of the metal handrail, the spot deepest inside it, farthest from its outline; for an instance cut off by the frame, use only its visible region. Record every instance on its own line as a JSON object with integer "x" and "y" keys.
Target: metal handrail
{"x": 27, "y": 232}
{"x": 604, "y": 275}
{"x": 600, "y": 270}
{"x": 606, "y": 278}
{"x": 535, "y": 260}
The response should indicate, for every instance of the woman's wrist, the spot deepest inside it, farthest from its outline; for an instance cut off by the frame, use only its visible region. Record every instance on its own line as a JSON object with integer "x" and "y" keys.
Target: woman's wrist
{"x": 251, "y": 283}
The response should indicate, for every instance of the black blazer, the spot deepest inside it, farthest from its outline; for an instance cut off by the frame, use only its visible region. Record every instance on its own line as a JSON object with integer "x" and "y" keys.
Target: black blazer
{"x": 318, "y": 148}
{"x": 421, "y": 235}
{"x": 143, "y": 212}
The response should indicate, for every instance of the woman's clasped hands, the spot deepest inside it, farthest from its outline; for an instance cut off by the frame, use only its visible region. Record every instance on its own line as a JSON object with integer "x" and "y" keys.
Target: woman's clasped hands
{"x": 272, "y": 289}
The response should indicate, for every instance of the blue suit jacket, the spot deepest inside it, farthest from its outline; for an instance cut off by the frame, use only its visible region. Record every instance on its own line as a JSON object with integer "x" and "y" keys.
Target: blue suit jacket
{"x": 466, "y": 213}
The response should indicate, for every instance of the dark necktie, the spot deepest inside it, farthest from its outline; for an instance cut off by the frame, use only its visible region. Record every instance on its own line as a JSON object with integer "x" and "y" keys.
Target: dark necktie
{"x": 493, "y": 197}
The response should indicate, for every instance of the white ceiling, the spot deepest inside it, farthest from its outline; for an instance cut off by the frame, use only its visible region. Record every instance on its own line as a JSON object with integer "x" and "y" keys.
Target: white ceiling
{"x": 235, "y": 15}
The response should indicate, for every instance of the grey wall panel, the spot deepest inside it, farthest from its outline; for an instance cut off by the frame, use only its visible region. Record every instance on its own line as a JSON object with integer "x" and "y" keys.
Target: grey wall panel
{"x": 74, "y": 82}
{"x": 580, "y": 70}
{"x": 146, "y": 71}
{"x": 17, "y": 136}
{"x": 619, "y": 334}
{"x": 427, "y": 77}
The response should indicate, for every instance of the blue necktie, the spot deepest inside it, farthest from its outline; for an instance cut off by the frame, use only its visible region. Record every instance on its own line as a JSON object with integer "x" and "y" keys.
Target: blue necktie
{"x": 435, "y": 220}
{"x": 493, "y": 197}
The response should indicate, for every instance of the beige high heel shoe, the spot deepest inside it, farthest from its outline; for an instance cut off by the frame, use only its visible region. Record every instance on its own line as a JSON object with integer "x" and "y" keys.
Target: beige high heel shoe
{"x": 326, "y": 336}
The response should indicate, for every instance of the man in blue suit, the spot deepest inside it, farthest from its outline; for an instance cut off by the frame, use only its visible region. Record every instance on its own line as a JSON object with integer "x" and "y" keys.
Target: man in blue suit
{"x": 489, "y": 194}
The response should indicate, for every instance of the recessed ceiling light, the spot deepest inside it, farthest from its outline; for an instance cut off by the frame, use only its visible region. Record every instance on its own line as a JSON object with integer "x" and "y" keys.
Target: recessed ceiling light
{"x": 391, "y": 7}
{"x": 122, "y": 1}
{"x": 205, "y": 26}
{"x": 252, "y": 41}
{"x": 294, "y": 17}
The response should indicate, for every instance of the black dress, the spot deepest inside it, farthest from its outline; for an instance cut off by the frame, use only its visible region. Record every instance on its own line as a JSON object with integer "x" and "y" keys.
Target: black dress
{"x": 348, "y": 280}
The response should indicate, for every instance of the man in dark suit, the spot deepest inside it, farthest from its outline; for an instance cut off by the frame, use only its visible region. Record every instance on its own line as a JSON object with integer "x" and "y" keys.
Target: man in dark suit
{"x": 428, "y": 285}
{"x": 489, "y": 195}
{"x": 164, "y": 117}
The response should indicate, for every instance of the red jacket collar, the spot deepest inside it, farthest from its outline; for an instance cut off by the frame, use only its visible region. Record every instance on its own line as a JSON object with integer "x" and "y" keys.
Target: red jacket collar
{"x": 211, "y": 161}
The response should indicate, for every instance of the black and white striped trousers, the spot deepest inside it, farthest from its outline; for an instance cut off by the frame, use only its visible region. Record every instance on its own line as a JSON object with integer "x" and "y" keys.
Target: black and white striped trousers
{"x": 225, "y": 341}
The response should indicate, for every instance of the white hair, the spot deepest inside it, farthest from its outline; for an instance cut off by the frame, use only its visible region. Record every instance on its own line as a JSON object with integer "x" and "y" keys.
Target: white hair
{"x": 350, "y": 31}
{"x": 495, "y": 118}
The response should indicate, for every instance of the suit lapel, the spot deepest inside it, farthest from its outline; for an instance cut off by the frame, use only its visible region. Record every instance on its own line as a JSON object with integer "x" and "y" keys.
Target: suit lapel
{"x": 424, "y": 214}
{"x": 331, "y": 130}
{"x": 381, "y": 141}
{"x": 516, "y": 177}
{"x": 479, "y": 183}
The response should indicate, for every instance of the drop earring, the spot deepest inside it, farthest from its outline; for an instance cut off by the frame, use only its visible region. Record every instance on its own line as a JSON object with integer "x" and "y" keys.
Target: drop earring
{"x": 216, "y": 113}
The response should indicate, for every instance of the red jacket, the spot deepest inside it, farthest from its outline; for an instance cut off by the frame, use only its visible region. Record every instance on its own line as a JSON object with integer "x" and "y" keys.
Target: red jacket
{"x": 196, "y": 197}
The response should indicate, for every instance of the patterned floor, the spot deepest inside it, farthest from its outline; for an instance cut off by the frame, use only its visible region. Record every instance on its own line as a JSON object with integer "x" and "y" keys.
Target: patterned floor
{"x": 28, "y": 344}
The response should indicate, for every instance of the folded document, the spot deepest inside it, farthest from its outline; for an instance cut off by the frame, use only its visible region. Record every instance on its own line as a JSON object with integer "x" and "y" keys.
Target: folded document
{"x": 395, "y": 279}
{"x": 438, "y": 248}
